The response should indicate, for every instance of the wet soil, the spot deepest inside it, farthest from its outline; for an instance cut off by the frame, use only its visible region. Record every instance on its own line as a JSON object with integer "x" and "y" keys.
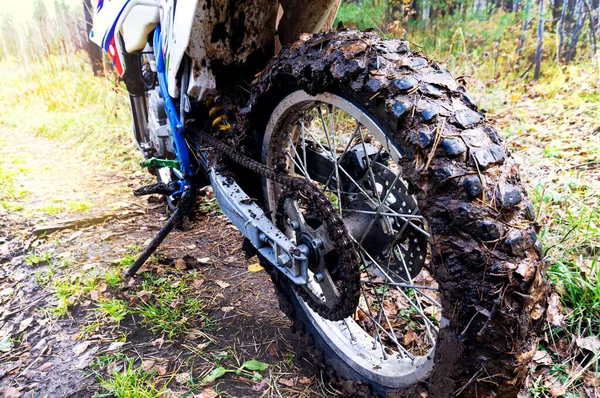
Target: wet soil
{"x": 56, "y": 356}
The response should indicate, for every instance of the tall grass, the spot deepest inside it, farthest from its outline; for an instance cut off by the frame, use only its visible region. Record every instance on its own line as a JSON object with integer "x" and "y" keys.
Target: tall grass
{"x": 60, "y": 99}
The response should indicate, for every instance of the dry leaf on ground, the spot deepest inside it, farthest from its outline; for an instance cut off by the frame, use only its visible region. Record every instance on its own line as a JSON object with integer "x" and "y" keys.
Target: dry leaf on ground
{"x": 81, "y": 347}
{"x": 541, "y": 357}
{"x": 555, "y": 316}
{"x": 10, "y": 392}
{"x": 222, "y": 284}
{"x": 256, "y": 267}
{"x": 25, "y": 324}
{"x": 208, "y": 393}
{"x": 287, "y": 382}
{"x": 590, "y": 343}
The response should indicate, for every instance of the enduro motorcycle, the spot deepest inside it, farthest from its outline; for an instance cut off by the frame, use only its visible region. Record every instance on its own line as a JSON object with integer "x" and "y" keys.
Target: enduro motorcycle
{"x": 391, "y": 219}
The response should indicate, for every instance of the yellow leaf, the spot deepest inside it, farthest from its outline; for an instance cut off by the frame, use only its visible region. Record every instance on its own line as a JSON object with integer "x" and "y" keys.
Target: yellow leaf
{"x": 255, "y": 267}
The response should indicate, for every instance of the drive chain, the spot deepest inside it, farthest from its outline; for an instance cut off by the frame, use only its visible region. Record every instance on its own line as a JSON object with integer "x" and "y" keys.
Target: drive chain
{"x": 347, "y": 275}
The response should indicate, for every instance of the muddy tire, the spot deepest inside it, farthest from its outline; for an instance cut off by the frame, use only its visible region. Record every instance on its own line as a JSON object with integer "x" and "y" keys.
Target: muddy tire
{"x": 486, "y": 256}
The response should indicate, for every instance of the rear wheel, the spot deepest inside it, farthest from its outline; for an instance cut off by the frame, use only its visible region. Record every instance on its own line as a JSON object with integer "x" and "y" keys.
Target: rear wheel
{"x": 452, "y": 288}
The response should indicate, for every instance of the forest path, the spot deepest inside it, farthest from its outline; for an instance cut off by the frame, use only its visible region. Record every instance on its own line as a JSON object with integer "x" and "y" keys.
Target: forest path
{"x": 70, "y": 323}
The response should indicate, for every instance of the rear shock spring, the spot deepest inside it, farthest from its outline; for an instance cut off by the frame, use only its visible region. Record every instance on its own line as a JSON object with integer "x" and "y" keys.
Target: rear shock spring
{"x": 219, "y": 118}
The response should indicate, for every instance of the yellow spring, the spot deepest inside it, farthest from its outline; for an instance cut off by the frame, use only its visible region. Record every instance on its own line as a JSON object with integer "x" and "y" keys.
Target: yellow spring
{"x": 221, "y": 121}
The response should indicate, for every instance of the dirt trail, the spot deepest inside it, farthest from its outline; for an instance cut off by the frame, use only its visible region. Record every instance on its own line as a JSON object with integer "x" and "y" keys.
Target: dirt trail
{"x": 46, "y": 355}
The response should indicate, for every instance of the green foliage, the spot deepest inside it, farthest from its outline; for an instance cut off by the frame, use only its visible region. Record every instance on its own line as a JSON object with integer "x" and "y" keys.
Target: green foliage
{"x": 170, "y": 307}
{"x": 130, "y": 382}
{"x": 115, "y": 309}
{"x": 61, "y": 100}
{"x": 369, "y": 14}
{"x": 37, "y": 259}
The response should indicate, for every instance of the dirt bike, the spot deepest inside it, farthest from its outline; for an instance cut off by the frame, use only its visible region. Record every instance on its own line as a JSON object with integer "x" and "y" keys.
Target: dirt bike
{"x": 391, "y": 219}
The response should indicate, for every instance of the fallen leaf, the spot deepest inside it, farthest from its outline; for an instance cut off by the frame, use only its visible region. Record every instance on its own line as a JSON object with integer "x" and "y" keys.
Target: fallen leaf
{"x": 10, "y": 392}
{"x": 74, "y": 235}
{"x": 81, "y": 347}
{"x": 208, "y": 393}
{"x": 143, "y": 294}
{"x": 305, "y": 380}
{"x": 180, "y": 264}
{"x": 182, "y": 378}
{"x": 590, "y": 343}
{"x": 161, "y": 370}
{"x": 45, "y": 367}
{"x": 227, "y": 309}
{"x": 25, "y": 324}
{"x": 555, "y": 316}
{"x": 204, "y": 260}
{"x": 260, "y": 386}
{"x": 272, "y": 349}
{"x": 102, "y": 287}
{"x": 158, "y": 342}
{"x": 198, "y": 283}
{"x": 115, "y": 345}
{"x": 256, "y": 267}
{"x": 94, "y": 295}
{"x": 222, "y": 284}
{"x": 542, "y": 357}
{"x": 558, "y": 390}
{"x": 409, "y": 337}
{"x": 287, "y": 382}
{"x": 147, "y": 365}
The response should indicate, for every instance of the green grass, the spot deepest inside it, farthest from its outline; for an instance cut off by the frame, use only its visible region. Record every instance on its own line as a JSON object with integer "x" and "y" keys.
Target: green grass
{"x": 368, "y": 15}
{"x": 65, "y": 102}
{"x": 112, "y": 278}
{"x": 37, "y": 259}
{"x": 128, "y": 258}
{"x": 171, "y": 308}
{"x": 10, "y": 190}
{"x": 130, "y": 382}
{"x": 115, "y": 309}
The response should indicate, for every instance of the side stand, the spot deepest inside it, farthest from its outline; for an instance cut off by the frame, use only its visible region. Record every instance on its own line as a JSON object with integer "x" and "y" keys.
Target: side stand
{"x": 187, "y": 199}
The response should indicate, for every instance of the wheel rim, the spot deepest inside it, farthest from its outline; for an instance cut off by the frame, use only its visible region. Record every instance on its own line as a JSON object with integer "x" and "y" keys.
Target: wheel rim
{"x": 381, "y": 352}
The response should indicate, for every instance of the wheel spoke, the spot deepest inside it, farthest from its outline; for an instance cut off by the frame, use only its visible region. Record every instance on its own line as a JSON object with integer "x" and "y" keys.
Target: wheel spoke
{"x": 418, "y": 309}
{"x": 340, "y": 158}
{"x": 392, "y": 334}
{"x": 298, "y": 165}
{"x": 387, "y": 194}
{"x": 397, "y": 215}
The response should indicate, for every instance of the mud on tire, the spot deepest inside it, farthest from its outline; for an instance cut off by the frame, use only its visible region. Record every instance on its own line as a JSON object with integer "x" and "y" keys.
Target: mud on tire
{"x": 486, "y": 256}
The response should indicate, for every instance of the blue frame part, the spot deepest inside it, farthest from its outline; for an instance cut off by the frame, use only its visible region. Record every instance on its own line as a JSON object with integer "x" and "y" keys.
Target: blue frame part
{"x": 179, "y": 144}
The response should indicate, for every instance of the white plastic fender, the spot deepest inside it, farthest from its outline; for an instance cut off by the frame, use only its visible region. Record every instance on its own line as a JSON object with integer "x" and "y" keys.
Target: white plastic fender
{"x": 176, "y": 30}
{"x": 140, "y": 21}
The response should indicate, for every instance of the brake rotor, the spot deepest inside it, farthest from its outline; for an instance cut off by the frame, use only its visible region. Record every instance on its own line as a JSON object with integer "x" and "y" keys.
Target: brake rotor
{"x": 391, "y": 240}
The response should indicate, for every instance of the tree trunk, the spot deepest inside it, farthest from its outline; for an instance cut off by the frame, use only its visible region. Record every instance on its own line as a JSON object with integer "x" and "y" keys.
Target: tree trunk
{"x": 561, "y": 28}
{"x": 526, "y": 23}
{"x": 540, "y": 43}
{"x": 94, "y": 51}
{"x": 588, "y": 7}
{"x": 576, "y": 31}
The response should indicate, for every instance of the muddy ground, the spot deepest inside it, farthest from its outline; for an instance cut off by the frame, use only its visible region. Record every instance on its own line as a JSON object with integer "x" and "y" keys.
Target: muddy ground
{"x": 46, "y": 353}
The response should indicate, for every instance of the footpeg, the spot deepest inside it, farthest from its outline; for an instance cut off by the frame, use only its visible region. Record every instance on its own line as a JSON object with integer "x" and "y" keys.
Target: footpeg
{"x": 160, "y": 188}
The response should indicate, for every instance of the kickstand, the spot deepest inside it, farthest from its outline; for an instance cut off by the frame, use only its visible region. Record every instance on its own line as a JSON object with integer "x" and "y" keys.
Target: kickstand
{"x": 187, "y": 199}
